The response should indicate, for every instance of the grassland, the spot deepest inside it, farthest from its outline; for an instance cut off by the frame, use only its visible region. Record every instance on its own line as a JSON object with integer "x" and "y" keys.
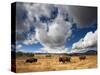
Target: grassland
{"x": 52, "y": 63}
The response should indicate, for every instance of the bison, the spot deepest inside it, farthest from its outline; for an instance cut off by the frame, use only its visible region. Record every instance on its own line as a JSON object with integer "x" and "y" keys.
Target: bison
{"x": 82, "y": 57}
{"x": 65, "y": 59}
{"x": 31, "y": 60}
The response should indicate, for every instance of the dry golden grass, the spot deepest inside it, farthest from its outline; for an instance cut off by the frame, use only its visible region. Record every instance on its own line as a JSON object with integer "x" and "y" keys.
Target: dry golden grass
{"x": 52, "y": 64}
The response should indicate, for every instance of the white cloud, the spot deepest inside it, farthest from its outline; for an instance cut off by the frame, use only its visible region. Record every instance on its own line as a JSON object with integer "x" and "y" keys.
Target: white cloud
{"x": 55, "y": 50}
{"x": 56, "y": 37}
{"x": 90, "y": 40}
{"x": 34, "y": 12}
{"x": 18, "y": 46}
{"x": 82, "y": 50}
{"x": 38, "y": 9}
{"x": 40, "y": 51}
{"x": 28, "y": 15}
{"x": 31, "y": 40}
{"x": 59, "y": 29}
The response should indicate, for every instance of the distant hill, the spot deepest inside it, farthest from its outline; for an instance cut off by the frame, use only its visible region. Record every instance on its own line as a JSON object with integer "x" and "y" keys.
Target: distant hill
{"x": 90, "y": 52}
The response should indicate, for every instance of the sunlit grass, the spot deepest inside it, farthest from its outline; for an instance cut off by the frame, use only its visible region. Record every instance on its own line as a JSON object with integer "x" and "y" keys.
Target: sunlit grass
{"x": 52, "y": 63}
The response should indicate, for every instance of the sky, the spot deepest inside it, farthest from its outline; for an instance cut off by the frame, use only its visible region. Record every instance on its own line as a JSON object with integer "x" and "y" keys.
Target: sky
{"x": 49, "y": 28}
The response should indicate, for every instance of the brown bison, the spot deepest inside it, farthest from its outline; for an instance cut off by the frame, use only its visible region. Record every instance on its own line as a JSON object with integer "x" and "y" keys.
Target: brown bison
{"x": 82, "y": 57}
{"x": 31, "y": 60}
{"x": 65, "y": 59}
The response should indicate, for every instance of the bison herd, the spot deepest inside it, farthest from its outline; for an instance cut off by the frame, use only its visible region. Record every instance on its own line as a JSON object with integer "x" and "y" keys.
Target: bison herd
{"x": 68, "y": 58}
{"x": 82, "y": 57}
{"x": 65, "y": 59}
{"x": 62, "y": 59}
{"x": 31, "y": 60}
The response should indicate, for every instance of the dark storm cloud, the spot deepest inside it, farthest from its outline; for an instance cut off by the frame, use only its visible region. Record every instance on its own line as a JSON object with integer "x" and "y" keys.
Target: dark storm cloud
{"x": 83, "y": 16}
{"x": 19, "y": 37}
{"x": 28, "y": 14}
{"x": 21, "y": 16}
{"x": 23, "y": 25}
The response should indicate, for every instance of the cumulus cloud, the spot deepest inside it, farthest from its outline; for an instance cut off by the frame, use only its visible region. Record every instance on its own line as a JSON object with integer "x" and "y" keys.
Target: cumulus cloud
{"x": 31, "y": 40}
{"x": 82, "y": 50}
{"x": 55, "y": 50}
{"x": 56, "y": 36}
{"x": 54, "y": 40}
{"x": 18, "y": 46}
{"x": 59, "y": 27}
{"x": 40, "y": 51}
{"x": 90, "y": 40}
{"x": 28, "y": 15}
{"x": 21, "y": 18}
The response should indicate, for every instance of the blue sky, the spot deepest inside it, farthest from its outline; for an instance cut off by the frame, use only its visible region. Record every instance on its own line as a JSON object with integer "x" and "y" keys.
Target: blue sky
{"x": 79, "y": 33}
{"x": 28, "y": 23}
